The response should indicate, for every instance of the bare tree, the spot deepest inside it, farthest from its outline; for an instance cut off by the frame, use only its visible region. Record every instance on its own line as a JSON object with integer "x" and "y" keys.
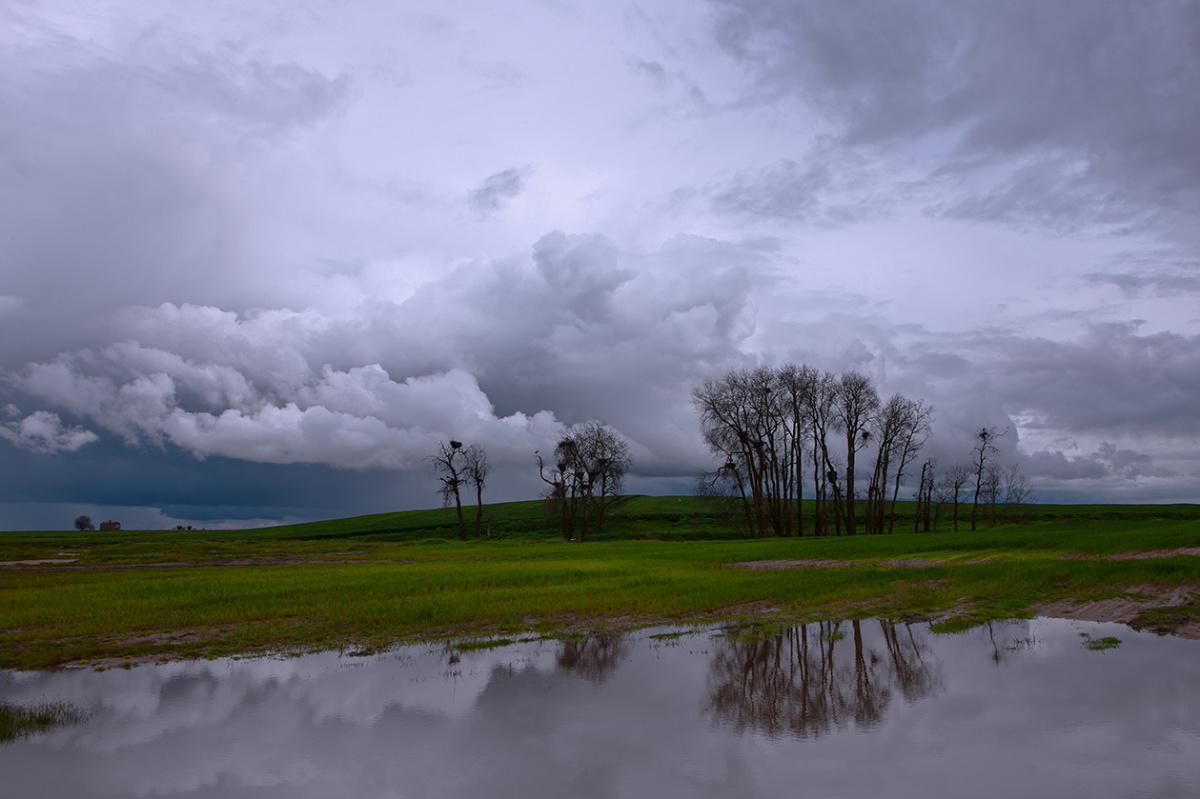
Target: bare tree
{"x": 822, "y": 394}
{"x": 1016, "y": 488}
{"x": 982, "y": 456}
{"x": 992, "y": 487}
{"x": 796, "y": 386}
{"x": 731, "y": 425}
{"x": 853, "y": 408}
{"x": 601, "y": 459}
{"x": 449, "y": 465}
{"x": 952, "y": 486}
{"x": 476, "y": 468}
{"x": 83, "y": 523}
{"x": 942, "y": 496}
{"x": 757, "y": 422}
{"x": 900, "y": 429}
{"x": 556, "y": 496}
{"x": 924, "y": 496}
{"x": 590, "y": 465}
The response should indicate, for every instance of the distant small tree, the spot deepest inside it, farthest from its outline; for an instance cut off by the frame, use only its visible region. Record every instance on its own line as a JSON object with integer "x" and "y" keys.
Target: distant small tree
{"x": 992, "y": 489}
{"x": 922, "y": 516}
{"x": 84, "y": 523}
{"x": 450, "y": 468}
{"x": 952, "y": 485}
{"x": 1017, "y": 491}
{"x": 475, "y": 466}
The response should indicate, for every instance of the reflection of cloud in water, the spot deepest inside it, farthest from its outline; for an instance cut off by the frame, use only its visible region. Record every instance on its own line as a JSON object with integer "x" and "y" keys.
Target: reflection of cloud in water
{"x": 610, "y": 717}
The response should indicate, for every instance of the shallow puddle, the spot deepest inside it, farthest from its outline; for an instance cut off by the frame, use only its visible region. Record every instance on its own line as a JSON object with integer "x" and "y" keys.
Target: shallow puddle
{"x": 1033, "y": 708}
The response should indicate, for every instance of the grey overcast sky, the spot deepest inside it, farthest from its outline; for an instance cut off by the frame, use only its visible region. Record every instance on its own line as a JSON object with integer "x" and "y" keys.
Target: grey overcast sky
{"x": 257, "y": 258}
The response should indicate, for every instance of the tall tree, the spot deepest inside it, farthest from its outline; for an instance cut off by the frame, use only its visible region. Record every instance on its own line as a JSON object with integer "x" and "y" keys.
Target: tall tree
{"x": 796, "y": 385}
{"x": 924, "y": 495}
{"x": 899, "y": 430}
{"x": 476, "y": 468}
{"x": 1017, "y": 491}
{"x": 982, "y": 456}
{"x": 598, "y": 459}
{"x": 822, "y": 394}
{"x": 855, "y": 403}
{"x": 953, "y": 483}
{"x": 449, "y": 464}
{"x": 556, "y": 497}
{"x": 591, "y": 461}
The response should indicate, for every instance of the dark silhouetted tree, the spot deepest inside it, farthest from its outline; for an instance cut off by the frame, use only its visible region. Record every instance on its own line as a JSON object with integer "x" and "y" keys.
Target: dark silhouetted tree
{"x": 476, "y": 468}
{"x": 855, "y": 404}
{"x": 953, "y": 483}
{"x": 449, "y": 463}
{"x": 590, "y": 465}
{"x": 982, "y": 456}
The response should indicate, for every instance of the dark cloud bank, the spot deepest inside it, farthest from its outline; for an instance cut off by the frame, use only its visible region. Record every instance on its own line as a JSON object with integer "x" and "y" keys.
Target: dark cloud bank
{"x": 176, "y": 347}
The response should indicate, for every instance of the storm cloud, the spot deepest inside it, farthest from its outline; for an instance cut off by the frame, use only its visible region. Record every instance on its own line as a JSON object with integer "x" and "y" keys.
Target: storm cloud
{"x": 248, "y": 247}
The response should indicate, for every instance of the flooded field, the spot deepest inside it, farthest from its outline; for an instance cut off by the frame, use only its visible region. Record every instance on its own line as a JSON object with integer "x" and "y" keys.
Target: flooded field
{"x": 1031, "y": 708}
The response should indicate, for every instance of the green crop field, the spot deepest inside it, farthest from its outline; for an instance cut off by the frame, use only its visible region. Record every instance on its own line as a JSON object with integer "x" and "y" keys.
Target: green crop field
{"x": 371, "y": 581}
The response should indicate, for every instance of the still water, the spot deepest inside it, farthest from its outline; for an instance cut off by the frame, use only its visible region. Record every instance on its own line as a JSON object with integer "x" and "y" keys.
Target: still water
{"x": 869, "y": 709}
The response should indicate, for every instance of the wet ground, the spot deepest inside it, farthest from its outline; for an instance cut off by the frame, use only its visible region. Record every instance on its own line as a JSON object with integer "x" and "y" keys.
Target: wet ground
{"x": 1035, "y": 708}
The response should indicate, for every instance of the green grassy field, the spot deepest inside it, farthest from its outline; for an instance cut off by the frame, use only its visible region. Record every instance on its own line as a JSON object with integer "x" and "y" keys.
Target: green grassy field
{"x": 371, "y": 581}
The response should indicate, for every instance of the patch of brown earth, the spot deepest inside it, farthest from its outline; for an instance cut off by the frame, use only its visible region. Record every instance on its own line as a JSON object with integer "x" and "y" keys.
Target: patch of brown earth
{"x": 901, "y": 563}
{"x": 912, "y": 563}
{"x": 770, "y": 565}
{"x": 38, "y": 562}
{"x": 1123, "y": 609}
{"x": 1149, "y": 554}
{"x": 67, "y": 565}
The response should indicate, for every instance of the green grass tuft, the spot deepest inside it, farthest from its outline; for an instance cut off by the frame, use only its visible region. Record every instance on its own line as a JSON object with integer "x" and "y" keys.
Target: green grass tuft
{"x": 1100, "y": 644}
{"x": 22, "y": 722}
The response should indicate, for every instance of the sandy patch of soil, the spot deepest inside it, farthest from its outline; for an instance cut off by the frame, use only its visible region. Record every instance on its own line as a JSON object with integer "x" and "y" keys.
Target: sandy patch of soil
{"x": 772, "y": 565}
{"x": 1149, "y": 554}
{"x": 912, "y": 563}
{"x": 66, "y": 564}
{"x": 38, "y": 562}
{"x": 1123, "y": 609}
{"x": 901, "y": 563}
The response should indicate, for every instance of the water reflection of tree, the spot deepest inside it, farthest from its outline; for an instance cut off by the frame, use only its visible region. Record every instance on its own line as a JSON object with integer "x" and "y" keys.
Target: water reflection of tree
{"x": 1012, "y": 636}
{"x": 593, "y": 657}
{"x": 809, "y": 679}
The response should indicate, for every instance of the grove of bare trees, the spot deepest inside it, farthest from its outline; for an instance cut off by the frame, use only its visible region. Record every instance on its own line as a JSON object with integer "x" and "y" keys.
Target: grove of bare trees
{"x": 774, "y": 430}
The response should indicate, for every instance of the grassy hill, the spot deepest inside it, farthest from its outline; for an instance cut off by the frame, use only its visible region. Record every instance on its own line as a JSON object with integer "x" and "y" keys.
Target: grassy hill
{"x": 630, "y": 517}
{"x": 369, "y": 581}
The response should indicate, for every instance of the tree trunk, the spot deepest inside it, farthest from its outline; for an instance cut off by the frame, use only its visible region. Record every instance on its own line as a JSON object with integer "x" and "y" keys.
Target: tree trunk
{"x": 462, "y": 524}
{"x": 850, "y": 522}
{"x": 478, "y": 509}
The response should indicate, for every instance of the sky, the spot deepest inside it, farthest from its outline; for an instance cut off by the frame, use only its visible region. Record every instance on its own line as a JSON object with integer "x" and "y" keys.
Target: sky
{"x": 257, "y": 260}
